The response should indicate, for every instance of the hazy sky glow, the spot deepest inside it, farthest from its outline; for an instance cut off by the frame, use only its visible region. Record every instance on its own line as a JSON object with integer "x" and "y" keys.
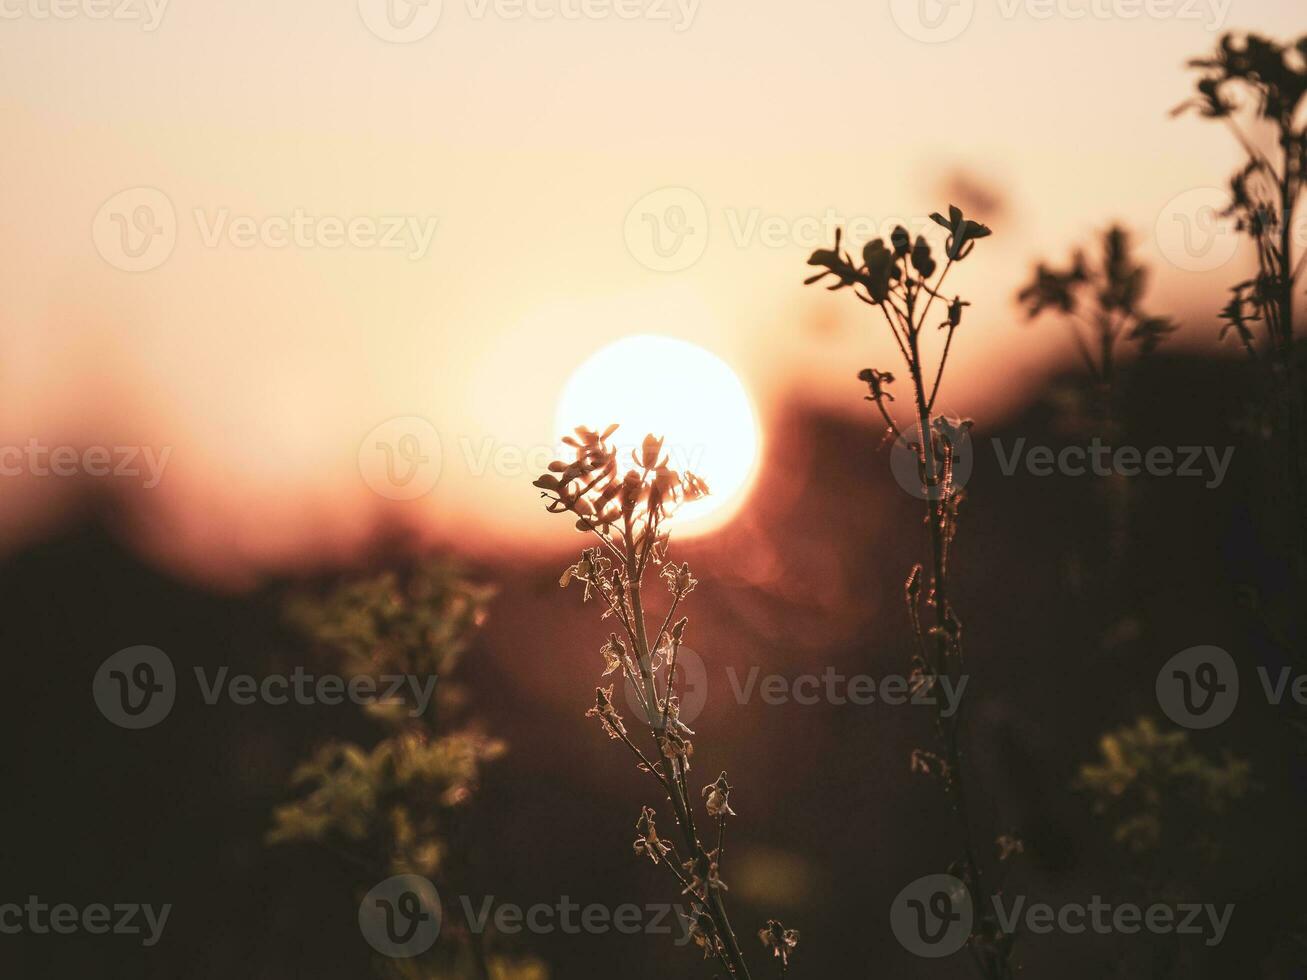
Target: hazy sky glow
{"x": 446, "y": 228}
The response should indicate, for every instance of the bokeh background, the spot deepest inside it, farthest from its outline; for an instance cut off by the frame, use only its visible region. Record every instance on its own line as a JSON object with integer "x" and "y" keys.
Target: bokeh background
{"x": 531, "y": 142}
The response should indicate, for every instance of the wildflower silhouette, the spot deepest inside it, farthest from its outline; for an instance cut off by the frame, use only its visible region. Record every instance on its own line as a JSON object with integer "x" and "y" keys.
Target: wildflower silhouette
{"x": 1252, "y": 82}
{"x": 627, "y": 515}
{"x": 1099, "y": 303}
{"x": 901, "y": 281}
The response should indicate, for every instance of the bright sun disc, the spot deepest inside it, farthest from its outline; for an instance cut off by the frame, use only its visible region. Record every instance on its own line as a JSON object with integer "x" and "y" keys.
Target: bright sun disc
{"x": 679, "y": 391}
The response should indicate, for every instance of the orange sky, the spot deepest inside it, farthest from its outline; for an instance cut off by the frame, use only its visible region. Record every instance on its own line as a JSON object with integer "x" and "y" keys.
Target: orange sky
{"x": 507, "y": 164}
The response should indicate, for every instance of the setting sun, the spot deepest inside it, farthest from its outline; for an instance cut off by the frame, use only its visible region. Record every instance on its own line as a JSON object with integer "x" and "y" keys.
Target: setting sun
{"x": 675, "y": 389}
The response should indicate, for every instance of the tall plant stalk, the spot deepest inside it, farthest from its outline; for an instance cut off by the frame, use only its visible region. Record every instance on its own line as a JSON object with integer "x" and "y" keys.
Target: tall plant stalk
{"x": 1251, "y": 79}
{"x": 627, "y": 516}
{"x": 901, "y": 282}
{"x": 1099, "y": 301}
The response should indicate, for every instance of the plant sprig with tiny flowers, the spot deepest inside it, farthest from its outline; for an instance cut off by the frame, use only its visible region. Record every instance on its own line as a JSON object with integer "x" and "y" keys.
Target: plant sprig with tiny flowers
{"x": 627, "y": 515}
{"x": 903, "y": 280}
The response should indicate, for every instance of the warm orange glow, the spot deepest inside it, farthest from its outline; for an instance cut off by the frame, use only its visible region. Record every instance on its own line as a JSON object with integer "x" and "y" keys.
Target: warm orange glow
{"x": 679, "y": 391}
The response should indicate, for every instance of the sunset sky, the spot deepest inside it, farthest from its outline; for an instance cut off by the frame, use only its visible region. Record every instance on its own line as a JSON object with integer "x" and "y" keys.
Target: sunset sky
{"x": 519, "y": 167}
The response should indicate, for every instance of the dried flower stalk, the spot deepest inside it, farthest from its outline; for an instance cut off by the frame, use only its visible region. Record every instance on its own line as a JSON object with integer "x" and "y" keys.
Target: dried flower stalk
{"x": 627, "y": 515}
{"x": 900, "y": 280}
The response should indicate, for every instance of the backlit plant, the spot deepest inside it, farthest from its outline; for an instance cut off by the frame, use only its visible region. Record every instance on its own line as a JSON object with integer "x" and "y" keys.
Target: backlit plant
{"x": 626, "y": 514}
{"x": 903, "y": 281}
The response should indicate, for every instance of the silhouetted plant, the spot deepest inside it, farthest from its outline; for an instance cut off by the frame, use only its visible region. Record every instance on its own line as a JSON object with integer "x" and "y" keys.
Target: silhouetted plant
{"x": 627, "y": 514}
{"x": 394, "y": 808}
{"x": 1099, "y": 302}
{"x": 1252, "y": 81}
{"x": 903, "y": 281}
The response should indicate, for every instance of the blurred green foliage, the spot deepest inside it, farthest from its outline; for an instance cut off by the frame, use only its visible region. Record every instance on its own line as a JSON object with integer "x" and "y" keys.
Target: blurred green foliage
{"x": 1153, "y": 785}
{"x": 395, "y": 807}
